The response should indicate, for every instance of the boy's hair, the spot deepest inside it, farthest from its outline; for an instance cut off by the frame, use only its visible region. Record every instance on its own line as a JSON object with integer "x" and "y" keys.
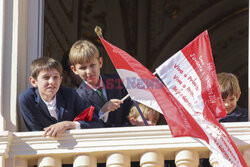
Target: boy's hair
{"x": 82, "y": 51}
{"x": 44, "y": 63}
{"x": 145, "y": 111}
{"x": 228, "y": 84}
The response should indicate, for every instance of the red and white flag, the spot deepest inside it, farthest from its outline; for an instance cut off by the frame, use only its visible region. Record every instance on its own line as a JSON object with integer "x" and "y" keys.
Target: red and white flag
{"x": 185, "y": 117}
{"x": 190, "y": 76}
{"x": 147, "y": 89}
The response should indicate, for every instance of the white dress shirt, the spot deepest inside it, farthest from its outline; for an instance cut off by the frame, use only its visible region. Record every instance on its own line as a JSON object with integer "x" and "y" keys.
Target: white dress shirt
{"x": 51, "y": 107}
{"x": 52, "y": 110}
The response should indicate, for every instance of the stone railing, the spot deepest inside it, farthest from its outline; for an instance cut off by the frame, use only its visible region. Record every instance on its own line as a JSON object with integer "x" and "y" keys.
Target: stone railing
{"x": 117, "y": 147}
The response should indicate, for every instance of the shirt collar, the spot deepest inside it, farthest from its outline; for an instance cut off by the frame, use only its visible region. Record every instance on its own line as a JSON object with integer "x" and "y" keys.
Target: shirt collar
{"x": 51, "y": 103}
{"x": 101, "y": 85}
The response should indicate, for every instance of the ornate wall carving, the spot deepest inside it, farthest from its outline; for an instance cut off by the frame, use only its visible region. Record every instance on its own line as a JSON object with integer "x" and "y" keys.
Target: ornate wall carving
{"x": 152, "y": 30}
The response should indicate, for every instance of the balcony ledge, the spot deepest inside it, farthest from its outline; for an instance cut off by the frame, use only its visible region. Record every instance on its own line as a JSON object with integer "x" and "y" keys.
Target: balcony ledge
{"x": 133, "y": 141}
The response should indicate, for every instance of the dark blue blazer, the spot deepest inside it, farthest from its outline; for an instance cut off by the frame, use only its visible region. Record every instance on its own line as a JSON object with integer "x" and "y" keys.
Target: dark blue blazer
{"x": 69, "y": 105}
{"x": 115, "y": 90}
{"x": 238, "y": 115}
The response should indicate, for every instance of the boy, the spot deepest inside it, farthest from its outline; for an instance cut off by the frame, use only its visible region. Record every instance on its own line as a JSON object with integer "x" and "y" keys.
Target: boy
{"x": 150, "y": 115}
{"x": 47, "y": 105}
{"x": 101, "y": 91}
{"x": 230, "y": 92}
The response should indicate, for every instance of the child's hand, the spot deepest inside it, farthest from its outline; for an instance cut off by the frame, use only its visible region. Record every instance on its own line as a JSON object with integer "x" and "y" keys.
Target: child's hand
{"x": 58, "y": 129}
{"x": 111, "y": 105}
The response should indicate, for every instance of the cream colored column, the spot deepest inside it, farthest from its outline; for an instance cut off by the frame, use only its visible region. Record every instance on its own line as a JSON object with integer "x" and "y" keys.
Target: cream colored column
{"x": 187, "y": 158}
{"x": 18, "y": 60}
{"x": 19, "y": 162}
{"x": 246, "y": 155}
{"x": 118, "y": 160}
{"x": 214, "y": 161}
{"x": 152, "y": 159}
{"x": 2, "y": 23}
{"x": 85, "y": 161}
{"x": 49, "y": 162}
{"x": 2, "y": 161}
{"x": 5, "y": 142}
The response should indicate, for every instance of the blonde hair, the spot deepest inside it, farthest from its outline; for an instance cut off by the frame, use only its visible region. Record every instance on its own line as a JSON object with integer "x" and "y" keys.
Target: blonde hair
{"x": 146, "y": 111}
{"x": 44, "y": 63}
{"x": 82, "y": 51}
{"x": 228, "y": 84}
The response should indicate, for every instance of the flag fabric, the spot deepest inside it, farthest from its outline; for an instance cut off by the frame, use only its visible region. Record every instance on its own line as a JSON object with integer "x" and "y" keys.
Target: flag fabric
{"x": 86, "y": 115}
{"x": 188, "y": 113}
{"x": 190, "y": 76}
{"x": 147, "y": 89}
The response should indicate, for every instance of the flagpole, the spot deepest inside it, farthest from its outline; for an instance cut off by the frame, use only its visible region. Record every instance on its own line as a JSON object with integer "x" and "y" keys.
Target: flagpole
{"x": 125, "y": 97}
{"x": 98, "y": 31}
{"x": 139, "y": 110}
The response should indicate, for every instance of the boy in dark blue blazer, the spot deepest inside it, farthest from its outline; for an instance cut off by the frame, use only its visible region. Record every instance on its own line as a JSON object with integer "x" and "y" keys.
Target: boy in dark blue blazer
{"x": 104, "y": 92}
{"x": 51, "y": 107}
{"x": 230, "y": 92}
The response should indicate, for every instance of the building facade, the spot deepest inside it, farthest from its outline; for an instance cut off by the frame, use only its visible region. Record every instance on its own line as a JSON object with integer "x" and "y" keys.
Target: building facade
{"x": 31, "y": 28}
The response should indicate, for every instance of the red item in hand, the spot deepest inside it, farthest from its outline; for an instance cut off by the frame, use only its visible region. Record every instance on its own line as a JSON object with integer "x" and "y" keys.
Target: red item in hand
{"x": 86, "y": 115}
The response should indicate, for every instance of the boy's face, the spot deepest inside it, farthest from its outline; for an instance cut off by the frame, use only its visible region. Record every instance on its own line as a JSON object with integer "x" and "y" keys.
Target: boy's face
{"x": 139, "y": 121}
{"x": 230, "y": 103}
{"x": 90, "y": 72}
{"x": 48, "y": 83}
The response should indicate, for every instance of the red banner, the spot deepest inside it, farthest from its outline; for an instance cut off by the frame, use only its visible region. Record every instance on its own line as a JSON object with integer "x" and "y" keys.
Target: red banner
{"x": 190, "y": 76}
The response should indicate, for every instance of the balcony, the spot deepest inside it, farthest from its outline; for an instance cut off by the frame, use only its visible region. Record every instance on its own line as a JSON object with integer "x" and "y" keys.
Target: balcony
{"x": 117, "y": 147}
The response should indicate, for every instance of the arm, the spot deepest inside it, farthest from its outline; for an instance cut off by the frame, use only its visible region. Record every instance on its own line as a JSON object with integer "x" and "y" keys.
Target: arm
{"x": 127, "y": 104}
{"x": 29, "y": 113}
{"x": 80, "y": 105}
{"x": 95, "y": 123}
{"x": 58, "y": 129}
{"x": 111, "y": 105}
{"x": 116, "y": 90}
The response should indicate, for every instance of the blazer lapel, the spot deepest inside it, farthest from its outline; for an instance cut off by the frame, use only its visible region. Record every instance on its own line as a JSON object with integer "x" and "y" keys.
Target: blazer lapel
{"x": 110, "y": 92}
{"x": 92, "y": 96}
{"x": 41, "y": 106}
{"x": 60, "y": 106}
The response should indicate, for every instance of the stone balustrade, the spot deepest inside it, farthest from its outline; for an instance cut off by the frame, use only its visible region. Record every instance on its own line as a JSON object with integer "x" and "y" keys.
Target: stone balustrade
{"x": 117, "y": 147}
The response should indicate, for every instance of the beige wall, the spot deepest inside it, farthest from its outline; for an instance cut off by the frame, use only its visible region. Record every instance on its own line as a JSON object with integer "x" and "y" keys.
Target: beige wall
{"x": 19, "y": 43}
{"x": 2, "y": 124}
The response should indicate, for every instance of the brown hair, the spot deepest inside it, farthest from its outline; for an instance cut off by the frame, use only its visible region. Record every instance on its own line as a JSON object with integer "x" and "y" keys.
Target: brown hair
{"x": 228, "y": 84}
{"x": 82, "y": 51}
{"x": 145, "y": 111}
{"x": 44, "y": 63}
